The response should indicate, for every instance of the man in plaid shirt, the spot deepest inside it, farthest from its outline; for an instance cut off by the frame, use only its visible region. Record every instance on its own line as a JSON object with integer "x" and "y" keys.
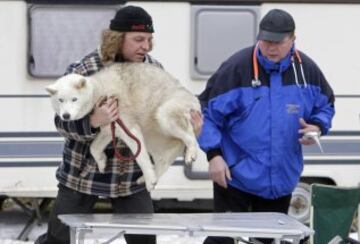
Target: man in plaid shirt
{"x": 129, "y": 38}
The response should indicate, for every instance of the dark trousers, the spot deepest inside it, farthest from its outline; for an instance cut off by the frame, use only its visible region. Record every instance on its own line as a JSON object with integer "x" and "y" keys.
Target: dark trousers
{"x": 70, "y": 202}
{"x": 234, "y": 200}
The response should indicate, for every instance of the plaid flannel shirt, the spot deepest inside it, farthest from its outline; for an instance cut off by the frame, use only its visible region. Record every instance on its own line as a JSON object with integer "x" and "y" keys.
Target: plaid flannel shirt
{"x": 78, "y": 169}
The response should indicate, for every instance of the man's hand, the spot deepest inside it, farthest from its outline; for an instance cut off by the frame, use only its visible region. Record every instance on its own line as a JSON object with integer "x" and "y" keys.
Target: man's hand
{"x": 305, "y": 127}
{"x": 219, "y": 171}
{"x": 196, "y": 121}
{"x": 104, "y": 112}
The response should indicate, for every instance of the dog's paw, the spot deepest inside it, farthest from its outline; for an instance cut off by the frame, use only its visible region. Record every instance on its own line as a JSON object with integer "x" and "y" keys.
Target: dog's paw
{"x": 101, "y": 162}
{"x": 101, "y": 168}
{"x": 150, "y": 186}
{"x": 140, "y": 180}
{"x": 190, "y": 155}
{"x": 150, "y": 180}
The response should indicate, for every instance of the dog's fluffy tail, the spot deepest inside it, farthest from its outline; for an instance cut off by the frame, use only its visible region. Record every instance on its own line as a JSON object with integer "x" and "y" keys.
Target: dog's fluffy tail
{"x": 171, "y": 116}
{"x": 174, "y": 115}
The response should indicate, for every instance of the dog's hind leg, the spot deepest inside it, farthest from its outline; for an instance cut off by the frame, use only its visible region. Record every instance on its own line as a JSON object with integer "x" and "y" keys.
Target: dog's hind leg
{"x": 143, "y": 158}
{"x": 98, "y": 146}
{"x": 175, "y": 121}
{"x": 168, "y": 156}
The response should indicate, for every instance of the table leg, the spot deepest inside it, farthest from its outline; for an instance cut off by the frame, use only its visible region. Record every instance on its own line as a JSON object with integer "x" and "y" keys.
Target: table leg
{"x": 72, "y": 235}
{"x": 77, "y": 235}
{"x": 277, "y": 240}
{"x": 118, "y": 235}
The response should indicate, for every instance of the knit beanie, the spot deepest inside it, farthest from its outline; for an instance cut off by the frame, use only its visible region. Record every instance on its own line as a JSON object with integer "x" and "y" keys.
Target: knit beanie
{"x": 131, "y": 19}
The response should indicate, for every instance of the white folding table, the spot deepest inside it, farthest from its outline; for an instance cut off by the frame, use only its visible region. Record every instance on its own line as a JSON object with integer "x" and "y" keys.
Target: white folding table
{"x": 238, "y": 225}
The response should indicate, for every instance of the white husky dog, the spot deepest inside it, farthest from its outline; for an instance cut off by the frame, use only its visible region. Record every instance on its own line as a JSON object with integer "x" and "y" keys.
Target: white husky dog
{"x": 152, "y": 104}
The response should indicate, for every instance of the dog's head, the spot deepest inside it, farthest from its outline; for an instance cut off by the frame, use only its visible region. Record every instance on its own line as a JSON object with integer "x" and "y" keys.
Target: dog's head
{"x": 71, "y": 96}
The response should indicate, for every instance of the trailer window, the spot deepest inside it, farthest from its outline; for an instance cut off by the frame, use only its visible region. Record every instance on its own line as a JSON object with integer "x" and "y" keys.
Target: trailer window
{"x": 60, "y": 35}
{"x": 217, "y": 33}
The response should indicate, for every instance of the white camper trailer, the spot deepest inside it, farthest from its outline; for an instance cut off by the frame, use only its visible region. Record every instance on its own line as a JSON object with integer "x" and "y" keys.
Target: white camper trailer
{"x": 39, "y": 38}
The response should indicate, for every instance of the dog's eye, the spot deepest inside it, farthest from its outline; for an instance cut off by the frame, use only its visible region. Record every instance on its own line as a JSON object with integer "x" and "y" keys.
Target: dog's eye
{"x": 61, "y": 100}
{"x": 74, "y": 99}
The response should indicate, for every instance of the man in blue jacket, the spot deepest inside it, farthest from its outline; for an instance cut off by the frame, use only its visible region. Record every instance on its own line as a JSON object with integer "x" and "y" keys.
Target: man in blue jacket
{"x": 257, "y": 107}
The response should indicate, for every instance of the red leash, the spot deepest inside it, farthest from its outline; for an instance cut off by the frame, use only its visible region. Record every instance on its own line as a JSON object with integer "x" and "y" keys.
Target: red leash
{"x": 116, "y": 151}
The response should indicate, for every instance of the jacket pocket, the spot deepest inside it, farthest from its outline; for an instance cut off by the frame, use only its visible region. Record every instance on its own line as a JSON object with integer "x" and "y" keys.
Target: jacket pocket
{"x": 252, "y": 175}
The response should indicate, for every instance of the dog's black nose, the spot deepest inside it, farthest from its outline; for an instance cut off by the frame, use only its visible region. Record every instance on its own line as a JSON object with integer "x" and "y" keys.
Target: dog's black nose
{"x": 66, "y": 116}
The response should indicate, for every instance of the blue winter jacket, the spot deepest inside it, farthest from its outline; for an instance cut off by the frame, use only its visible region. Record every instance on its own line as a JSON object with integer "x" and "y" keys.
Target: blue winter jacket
{"x": 255, "y": 129}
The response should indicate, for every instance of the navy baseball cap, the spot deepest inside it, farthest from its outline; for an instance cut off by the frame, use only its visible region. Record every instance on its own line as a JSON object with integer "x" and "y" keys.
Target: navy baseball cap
{"x": 276, "y": 25}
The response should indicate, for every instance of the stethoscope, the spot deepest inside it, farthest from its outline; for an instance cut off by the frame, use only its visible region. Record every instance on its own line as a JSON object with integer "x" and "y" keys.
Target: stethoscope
{"x": 256, "y": 81}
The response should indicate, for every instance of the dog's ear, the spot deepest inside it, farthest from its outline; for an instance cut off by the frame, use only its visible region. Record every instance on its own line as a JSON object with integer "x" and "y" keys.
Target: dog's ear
{"x": 51, "y": 90}
{"x": 80, "y": 83}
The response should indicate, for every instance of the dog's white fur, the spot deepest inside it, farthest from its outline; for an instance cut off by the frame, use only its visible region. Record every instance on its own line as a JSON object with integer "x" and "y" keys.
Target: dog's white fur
{"x": 152, "y": 104}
